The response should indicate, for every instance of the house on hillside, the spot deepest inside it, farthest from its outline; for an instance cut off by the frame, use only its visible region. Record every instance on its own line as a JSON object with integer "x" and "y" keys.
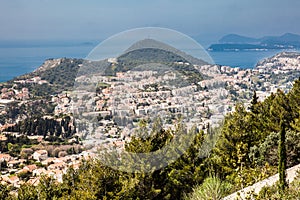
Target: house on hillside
{"x": 40, "y": 155}
{"x": 5, "y": 157}
{"x": 30, "y": 168}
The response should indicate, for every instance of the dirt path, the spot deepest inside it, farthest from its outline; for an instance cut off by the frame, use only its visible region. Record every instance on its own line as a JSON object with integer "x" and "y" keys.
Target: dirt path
{"x": 291, "y": 174}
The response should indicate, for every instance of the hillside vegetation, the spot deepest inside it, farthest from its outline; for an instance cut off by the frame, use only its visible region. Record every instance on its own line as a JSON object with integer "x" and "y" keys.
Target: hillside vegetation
{"x": 61, "y": 76}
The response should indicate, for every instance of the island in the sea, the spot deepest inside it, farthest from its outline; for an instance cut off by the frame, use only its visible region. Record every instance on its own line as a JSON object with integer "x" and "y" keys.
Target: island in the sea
{"x": 234, "y": 42}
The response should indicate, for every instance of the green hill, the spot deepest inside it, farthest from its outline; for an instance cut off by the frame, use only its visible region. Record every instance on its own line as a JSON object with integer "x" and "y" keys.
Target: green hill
{"x": 60, "y": 73}
{"x": 144, "y": 54}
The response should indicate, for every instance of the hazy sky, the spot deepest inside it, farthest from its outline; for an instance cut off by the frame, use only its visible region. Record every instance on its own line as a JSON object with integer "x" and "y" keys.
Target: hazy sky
{"x": 99, "y": 19}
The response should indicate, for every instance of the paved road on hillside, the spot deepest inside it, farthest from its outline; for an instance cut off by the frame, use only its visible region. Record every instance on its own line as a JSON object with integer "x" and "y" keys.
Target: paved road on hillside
{"x": 291, "y": 174}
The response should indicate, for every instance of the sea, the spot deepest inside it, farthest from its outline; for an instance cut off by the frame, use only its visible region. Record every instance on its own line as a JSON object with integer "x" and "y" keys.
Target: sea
{"x": 18, "y": 58}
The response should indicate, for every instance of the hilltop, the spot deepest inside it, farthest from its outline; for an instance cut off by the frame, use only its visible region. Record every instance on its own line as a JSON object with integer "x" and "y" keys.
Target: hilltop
{"x": 237, "y": 39}
{"x": 149, "y": 51}
{"x": 154, "y": 44}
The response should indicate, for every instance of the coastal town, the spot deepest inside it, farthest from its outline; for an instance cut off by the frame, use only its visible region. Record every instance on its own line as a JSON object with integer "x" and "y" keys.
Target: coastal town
{"x": 110, "y": 114}
{"x": 123, "y": 100}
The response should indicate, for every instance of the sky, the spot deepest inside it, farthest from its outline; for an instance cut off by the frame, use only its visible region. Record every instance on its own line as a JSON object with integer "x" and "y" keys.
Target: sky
{"x": 205, "y": 20}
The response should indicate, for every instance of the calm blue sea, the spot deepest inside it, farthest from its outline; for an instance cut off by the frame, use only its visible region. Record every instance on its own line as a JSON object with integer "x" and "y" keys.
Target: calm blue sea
{"x": 242, "y": 59}
{"x": 17, "y": 59}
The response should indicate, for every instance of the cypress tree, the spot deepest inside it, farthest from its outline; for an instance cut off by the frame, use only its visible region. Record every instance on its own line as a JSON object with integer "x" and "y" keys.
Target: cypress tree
{"x": 282, "y": 159}
{"x": 254, "y": 103}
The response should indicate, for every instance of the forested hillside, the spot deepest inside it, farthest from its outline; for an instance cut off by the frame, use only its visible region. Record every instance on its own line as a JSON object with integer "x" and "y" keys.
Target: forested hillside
{"x": 247, "y": 148}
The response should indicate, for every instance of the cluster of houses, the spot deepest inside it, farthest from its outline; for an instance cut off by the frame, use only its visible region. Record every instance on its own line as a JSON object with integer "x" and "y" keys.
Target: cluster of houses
{"x": 34, "y": 80}
{"x": 11, "y": 94}
{"x": 134, "y": 95}
{"x": 15, "y": 169}
{"x": 62, "y": 102}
